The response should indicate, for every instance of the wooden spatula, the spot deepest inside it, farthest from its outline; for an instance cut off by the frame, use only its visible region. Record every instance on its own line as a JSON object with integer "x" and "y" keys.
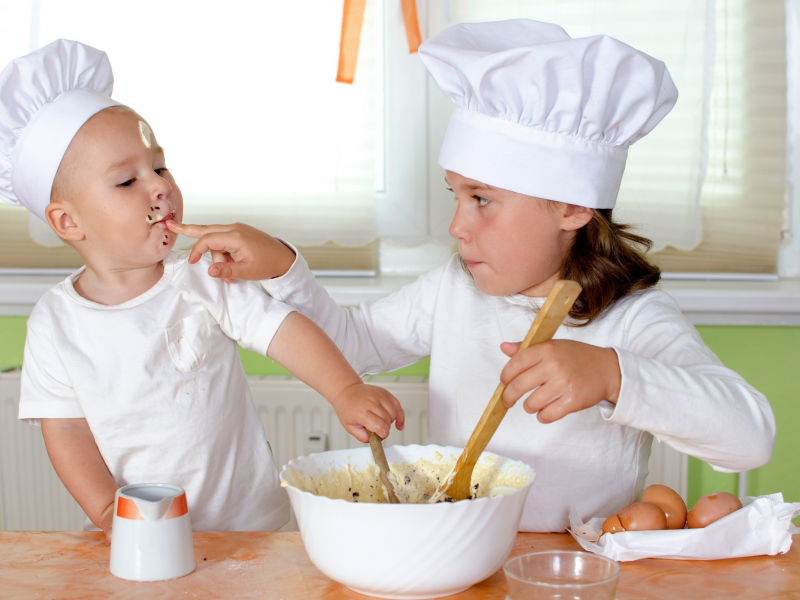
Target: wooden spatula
{"x": 556, "y": 307}
{"x": 379, "y": 456}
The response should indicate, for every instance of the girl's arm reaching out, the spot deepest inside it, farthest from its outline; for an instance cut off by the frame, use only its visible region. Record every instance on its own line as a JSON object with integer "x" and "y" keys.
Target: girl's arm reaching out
{"x": 311, "y": 356}
{"x": 376, "y": 337}
{"x": 78, "y": 463}
{"x": 239, "y": 251}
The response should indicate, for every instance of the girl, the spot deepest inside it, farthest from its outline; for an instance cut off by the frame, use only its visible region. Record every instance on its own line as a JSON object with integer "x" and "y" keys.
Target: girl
{"x": 534, "y": 153}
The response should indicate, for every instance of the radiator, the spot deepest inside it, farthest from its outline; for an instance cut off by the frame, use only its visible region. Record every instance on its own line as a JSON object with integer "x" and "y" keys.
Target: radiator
{"x": 296, "y": 421}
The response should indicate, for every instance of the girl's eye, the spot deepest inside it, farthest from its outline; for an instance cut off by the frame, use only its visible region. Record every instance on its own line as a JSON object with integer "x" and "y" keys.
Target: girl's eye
{"x": 128, "y": 183}
{"x": 482, "y": 201}
{"x": 161, "y": 171}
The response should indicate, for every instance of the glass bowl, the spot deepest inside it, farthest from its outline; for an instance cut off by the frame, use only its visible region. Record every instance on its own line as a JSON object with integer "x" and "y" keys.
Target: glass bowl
{"x": 563, "y": 575}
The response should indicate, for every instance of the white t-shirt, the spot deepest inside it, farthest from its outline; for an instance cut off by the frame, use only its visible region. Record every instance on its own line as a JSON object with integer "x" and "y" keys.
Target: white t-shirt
{"x": 673, "y": 386}
{"x": 160, "y": 382}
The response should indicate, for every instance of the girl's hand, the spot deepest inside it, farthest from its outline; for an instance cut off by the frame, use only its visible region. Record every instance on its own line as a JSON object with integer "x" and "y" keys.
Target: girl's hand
{"x": 362, "y": 407}
{"x": 567, "y": 377}
{"x": 238, "y": 251}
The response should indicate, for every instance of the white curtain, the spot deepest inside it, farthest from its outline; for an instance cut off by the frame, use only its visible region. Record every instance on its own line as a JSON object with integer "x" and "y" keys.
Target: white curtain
{"x": 243, "y": 97}
{"x": 744, "y": 204}
{"x": 665, "y": 170}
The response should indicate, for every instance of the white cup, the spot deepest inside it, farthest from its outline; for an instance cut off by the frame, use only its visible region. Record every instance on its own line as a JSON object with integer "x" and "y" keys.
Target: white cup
{"x": 151, "y": 536}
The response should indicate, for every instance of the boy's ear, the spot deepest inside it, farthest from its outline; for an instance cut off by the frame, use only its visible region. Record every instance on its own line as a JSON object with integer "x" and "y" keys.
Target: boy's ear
{"x": 576, "y": 217}
{"x": 61, "y": 221}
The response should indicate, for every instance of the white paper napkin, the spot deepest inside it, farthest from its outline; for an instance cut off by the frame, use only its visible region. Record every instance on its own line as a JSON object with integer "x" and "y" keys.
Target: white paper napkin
{"x": 762, "y": 526}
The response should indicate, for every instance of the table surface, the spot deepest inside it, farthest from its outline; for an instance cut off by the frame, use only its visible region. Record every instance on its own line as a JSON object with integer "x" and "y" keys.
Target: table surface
{"x": 275, "y": 565}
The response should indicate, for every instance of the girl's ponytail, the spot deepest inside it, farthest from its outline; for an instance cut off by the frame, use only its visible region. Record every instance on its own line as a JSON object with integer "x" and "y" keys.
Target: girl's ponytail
{"x": 609, "y": 262}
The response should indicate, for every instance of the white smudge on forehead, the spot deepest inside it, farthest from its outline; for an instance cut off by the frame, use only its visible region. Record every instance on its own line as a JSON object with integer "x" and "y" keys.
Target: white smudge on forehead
{"x": 146, "y": 133}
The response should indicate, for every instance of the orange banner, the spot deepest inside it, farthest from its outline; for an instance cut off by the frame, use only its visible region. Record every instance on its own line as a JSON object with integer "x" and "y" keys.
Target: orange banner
{"x": 412, "y": 24}
{"x": 352, "y": 21}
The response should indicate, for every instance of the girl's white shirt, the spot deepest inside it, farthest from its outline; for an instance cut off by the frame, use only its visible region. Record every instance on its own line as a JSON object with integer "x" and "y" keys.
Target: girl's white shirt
{"x": 161, "y": 385}
{"x": 673, "y": 386}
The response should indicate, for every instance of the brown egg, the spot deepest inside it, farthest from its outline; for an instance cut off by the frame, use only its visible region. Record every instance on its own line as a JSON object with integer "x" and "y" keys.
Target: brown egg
{"x": 642, "y": 516}
{"x": 612, "y": 525}
{"x": 670, "y": 502}
{"x": 712, "y": 508}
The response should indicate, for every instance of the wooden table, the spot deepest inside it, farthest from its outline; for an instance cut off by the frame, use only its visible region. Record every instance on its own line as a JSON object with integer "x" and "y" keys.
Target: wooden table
{"x": 275, "y": 565}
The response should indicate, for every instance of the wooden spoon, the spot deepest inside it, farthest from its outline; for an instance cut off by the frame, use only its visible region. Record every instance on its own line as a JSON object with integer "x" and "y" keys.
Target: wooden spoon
{"x": 556, "y": 307}
{"x": 379, "y": 456}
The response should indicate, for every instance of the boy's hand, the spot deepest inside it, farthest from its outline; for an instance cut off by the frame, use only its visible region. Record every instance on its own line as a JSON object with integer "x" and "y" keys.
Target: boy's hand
{"x": 311, "y": 356}
{"x": 361, "y": 408}
{"x": 106, "y": 521}
{"x": 81, "y": 468}
{"x": 570, "y": 376}
{"x": 238, "y": 251}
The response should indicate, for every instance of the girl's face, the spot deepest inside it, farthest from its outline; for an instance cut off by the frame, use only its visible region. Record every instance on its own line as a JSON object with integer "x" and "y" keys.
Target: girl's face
{"x": 510, "y": 242}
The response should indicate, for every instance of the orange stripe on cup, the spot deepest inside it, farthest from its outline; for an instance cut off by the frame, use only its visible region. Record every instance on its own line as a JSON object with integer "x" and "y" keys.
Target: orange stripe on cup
{"x": 127, "y": 509}
{"x": 179, "y": 507}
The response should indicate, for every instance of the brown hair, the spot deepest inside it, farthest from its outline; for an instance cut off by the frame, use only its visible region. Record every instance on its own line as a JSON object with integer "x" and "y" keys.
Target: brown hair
{"x": 609, "y": 263}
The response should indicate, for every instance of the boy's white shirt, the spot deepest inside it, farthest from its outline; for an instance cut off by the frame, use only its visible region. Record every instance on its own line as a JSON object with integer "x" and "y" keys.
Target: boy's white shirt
{"x": 160, "y": 382}
{"x": 673, "y": 386}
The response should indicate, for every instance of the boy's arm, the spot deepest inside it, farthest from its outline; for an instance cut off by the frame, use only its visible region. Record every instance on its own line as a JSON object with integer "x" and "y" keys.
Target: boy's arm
{"x": 78, "y": 463}
{"x": 310, "y": 355}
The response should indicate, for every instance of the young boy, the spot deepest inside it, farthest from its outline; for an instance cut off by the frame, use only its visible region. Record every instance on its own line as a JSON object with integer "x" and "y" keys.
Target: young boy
{"x": 131, "y": 363}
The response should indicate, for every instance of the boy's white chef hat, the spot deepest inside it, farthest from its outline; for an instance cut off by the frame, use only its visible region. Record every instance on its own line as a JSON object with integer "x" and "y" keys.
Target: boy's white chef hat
{"x": 45, "y": 98}
{"x": 542, "y": 114}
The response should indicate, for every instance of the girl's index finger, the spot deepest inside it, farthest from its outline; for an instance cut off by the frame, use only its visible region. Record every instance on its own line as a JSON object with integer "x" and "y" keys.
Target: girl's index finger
{"x": 522, "y": 361}
{"x": 196, "y": 231}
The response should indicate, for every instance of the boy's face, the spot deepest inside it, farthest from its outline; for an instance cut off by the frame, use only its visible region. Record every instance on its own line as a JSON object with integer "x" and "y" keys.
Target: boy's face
{"x": 510, "y": 242}
{"x": 116, "y": 193}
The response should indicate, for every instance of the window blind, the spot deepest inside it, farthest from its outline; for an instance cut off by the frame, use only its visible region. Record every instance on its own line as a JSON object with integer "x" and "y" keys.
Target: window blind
{"x": 745, "y": 193}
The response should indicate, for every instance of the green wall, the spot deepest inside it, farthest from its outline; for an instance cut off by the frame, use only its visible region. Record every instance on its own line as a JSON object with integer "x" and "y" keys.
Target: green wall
{"x": 767, "y": 357}
{"x": 12, "y": 340}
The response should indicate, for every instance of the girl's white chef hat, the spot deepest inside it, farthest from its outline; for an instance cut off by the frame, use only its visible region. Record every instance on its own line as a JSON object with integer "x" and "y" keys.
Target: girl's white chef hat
{"x": 45, "y": 98}
{"x": 542, "y": 114}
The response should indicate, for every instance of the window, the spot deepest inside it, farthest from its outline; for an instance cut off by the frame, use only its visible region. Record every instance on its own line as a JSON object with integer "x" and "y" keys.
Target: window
{"x": 243, "y": 97}
{"x": 745, "y": 200}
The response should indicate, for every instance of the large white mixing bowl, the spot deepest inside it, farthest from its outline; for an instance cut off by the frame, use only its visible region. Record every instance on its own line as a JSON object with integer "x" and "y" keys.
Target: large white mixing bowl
{"x": 405, "y": 550}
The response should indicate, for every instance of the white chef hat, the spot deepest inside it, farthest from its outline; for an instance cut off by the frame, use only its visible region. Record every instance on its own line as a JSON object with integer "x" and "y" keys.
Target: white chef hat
{"x": 542, "y": 114}
{"x": 45, "y": 98}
